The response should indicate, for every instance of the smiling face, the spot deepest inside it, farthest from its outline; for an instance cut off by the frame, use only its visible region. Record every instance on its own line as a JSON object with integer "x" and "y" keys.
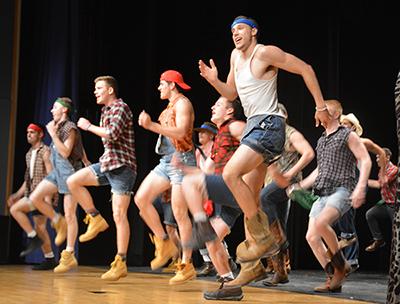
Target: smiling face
{"x": 58, "y": 112}
{"x": 221, "y": 111}
{"x": 243, "y": 35}
{"x": 103, "y": 92}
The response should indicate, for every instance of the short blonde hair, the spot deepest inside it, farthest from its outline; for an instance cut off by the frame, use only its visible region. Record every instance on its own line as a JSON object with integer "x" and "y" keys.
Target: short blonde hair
{"x": 336, "y": 106}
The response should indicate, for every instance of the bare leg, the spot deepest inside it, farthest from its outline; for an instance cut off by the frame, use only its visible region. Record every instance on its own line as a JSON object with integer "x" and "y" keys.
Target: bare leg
{"x": 70, "y": 205}
{"x": 120, "y": 204}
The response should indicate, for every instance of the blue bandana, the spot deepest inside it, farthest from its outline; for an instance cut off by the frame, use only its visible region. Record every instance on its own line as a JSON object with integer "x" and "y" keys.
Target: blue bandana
{"x": 245, "y": 21}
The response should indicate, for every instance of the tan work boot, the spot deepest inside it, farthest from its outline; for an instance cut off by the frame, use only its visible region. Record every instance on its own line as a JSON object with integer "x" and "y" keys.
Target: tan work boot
{"x": 67, "y": 262}
{"x": 287, "y": 260}
{"x": 118, "y": 270}
{"x": 185, "y": 273}
{"x": 280, "y": 275}
{"x": 173, "y": 266}
{"x": 249, "y": 272}
{"x": 96, "y": 224}
{"x": 263, "y": 243}
{"x": 61, "y": 229}
{"x": 164, "y": 250}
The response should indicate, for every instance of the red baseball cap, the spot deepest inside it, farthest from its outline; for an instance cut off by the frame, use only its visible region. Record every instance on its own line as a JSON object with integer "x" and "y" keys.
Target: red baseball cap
{"x": 175, "y": 76}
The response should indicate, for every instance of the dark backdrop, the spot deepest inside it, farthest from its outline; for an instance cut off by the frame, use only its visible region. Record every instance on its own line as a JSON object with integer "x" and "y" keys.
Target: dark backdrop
{"x": 66, "y": 44}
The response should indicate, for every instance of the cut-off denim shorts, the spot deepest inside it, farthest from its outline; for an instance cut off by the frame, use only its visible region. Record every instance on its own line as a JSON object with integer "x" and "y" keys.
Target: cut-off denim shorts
{"x": 121, "y": 179}
{"x": 265, "y": 134}
{"x": 169, "y": 171}
{"x": 340, "y": 200}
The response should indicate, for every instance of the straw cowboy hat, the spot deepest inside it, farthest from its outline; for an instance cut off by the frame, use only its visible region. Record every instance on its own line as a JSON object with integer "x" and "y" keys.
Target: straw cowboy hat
{"x": 354, "y": 121}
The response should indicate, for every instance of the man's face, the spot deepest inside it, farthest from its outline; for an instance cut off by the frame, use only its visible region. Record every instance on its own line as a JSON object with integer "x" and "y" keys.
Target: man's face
{"x": 33, "y": 136}
{"x": 242, "y": 35}
{"x": 101, "y": 91}
{"x": 219, "y": 111}
{"x": 347, "y": 124}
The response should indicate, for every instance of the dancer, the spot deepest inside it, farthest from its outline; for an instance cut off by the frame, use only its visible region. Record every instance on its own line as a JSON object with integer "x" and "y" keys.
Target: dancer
{"x": 66, "y": 157}
{"x": 38, "y": 165}
{"x": 253, "y": 77}
{"x": 116, "y": 167}
{"x": 339, "y": 189}
{"x": 175, "y": 128}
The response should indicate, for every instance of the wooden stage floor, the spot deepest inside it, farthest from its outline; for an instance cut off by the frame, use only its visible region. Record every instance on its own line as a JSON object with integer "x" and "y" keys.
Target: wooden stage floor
{"x": 19, "y": 284}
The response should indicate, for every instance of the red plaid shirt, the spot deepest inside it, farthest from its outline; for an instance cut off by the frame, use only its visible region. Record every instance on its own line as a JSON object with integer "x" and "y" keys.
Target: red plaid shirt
{"x": 224, "y": 146}
{"x": 119, "y": 147}
{"x": 388, "y": 191}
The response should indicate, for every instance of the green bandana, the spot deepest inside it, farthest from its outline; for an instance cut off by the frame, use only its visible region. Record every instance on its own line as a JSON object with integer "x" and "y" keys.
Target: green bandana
{"x": 64, "y": 104}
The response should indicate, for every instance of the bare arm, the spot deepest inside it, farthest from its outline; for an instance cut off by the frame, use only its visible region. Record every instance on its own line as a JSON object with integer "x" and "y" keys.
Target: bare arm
{"x": 210, "y": 73}
{"x": 274, "y": 56}
{"x": 64, "y": 148}
{"x": 236, "y": 129}
{"x": 47, "y": 162}
{"x": 86, "y": 125}
{"x": 303, "y": 147}
{"x": 374, "y": 183}
{"x": 364, "y": 163}
{"x": 309, "y": 181}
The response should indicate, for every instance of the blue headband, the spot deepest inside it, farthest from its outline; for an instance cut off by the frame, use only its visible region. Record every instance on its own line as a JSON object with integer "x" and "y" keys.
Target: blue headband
{"x": 245, "y": 21}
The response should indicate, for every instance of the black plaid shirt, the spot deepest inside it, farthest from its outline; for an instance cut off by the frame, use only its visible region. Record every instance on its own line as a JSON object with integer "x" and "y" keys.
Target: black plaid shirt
{"x": 119, "y": 147}
{"x": 336, "y": 163}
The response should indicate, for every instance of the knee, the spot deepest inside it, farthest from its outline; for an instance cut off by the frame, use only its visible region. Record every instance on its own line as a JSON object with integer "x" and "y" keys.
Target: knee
{"x": 71, "y": 182}
{"x": 13, "y": 210}
{"x": 368, "y": 215}
{"x": 119, "y": 216}
{"x": 229, "y": 177}
{"x": 139, "y": 200}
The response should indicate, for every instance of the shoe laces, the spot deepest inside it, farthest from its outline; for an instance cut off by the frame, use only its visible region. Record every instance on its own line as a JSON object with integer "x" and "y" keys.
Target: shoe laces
{"x": 86, "y": 220}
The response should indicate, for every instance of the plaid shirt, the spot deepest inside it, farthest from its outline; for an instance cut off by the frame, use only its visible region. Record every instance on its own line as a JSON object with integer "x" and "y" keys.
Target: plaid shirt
{"x": 63, "y": 132}
{"x": 336, "y": 163}
{"x": 119, "y": 147}
{"x": 224, "y": 146}
{"x": 39, "y": 169}
{"x": 388, "y": 191}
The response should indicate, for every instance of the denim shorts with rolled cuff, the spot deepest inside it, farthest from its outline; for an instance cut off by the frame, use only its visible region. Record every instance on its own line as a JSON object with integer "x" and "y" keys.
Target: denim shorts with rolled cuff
{"x": 170, "y": 172}
{"x": 340, "y": 200}
{"x": 265, "y": 134}
{"x": 121, "y": 179}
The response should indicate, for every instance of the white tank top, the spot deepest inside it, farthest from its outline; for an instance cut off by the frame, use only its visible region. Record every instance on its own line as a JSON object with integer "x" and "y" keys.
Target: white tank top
{"x": 258, "y": 97}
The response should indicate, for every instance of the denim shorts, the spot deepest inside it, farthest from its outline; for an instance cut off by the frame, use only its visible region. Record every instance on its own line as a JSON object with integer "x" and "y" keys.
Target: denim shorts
{"x": 340, "y": 200}
{"x": 164, "y": 210}
{"x": 58, "y": 176}
{"x": 265, "y": 134}
{"x": 170, "y": 172}
{"x": 225, "y": 204}
{"x": 121, "y": 179}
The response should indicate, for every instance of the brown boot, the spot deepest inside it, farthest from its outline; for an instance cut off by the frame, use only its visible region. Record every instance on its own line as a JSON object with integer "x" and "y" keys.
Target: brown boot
{"x": 325, "y": 287}
{"x": 270, "y": 266}
{"x": 342, "y": 268}
{"x": 280, "y": 276}
{"x": 164, "y": 251}
{"x": 249, "y": 272}
{"x": 286, "y": 256}
{"x": 263, "y": 243}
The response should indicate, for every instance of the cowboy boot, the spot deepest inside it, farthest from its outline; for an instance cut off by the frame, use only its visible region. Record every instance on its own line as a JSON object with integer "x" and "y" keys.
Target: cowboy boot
{"x": 280, "y": 275}
{"x": 263, "y": 243}
{"x": 249, "y": 272}
{"x": 342, "y": 268}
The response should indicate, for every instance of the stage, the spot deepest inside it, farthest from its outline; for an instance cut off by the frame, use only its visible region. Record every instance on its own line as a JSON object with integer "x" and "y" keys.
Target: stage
{"x": 20, "y": 284}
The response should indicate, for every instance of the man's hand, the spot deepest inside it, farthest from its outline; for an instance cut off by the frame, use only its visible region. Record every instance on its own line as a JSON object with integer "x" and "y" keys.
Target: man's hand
{"x": 358, "y": 197}
{"x": 144, "y": 120}
{"x": 322, "y": 117}
{"x": 83, "y": 123}
{"x": 51, "y": 128}
{"x": 210, "y": 73}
